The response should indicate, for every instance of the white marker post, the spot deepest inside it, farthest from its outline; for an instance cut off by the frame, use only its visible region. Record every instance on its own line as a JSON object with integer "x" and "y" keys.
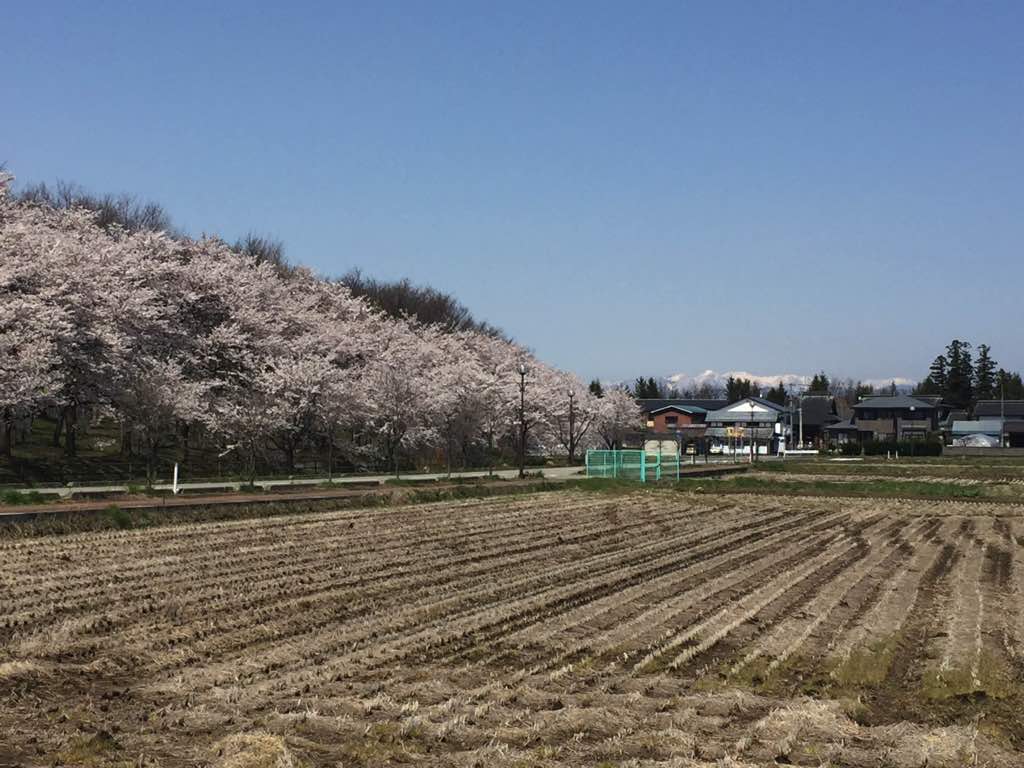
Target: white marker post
{"x": 174, "y": 485}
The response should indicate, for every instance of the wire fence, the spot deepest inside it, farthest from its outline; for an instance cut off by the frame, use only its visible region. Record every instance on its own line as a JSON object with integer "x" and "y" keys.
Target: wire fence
{"x": 633, "y": 465}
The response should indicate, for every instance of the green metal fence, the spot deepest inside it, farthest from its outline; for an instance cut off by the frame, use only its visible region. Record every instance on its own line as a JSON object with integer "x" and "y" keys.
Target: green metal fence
{"x": 633, "y": 465}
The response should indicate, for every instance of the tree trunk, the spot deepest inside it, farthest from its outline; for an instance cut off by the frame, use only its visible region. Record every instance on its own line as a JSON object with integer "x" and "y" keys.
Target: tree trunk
{"x": 330, "y": 457}
{"x": 252, "y": 466}
{"x": 185, "y": 429}
{"x": 58, "y": 428}
{"x": 152, "y": 448}
{"x": 71, "y": 434}
{"x": 448, "y": 451}
{"x": 7, "y": 436}
{"x": 289, "y": 456}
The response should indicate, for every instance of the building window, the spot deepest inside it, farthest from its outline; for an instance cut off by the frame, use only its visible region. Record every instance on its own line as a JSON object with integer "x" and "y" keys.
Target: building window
{"x": 671, "y": 421}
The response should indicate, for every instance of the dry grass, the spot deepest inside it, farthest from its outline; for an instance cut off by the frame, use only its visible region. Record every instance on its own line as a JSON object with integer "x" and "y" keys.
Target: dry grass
{"x": 252, "y": 750}
{"x": 559, "y": 629}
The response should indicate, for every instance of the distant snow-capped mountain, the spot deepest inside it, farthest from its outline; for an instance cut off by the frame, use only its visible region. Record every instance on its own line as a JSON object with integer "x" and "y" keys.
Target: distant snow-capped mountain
{"x": 793, "y": 381}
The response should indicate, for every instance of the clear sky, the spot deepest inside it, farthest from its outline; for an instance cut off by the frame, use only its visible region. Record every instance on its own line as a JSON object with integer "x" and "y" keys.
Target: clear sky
{"x": 628, "y": 188}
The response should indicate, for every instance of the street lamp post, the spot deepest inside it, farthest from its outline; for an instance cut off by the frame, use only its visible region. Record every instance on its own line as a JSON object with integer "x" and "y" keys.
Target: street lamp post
{"x": 522, "y": 420}
{"x": 753, "y": 439}
{"x": 572, "y": 427}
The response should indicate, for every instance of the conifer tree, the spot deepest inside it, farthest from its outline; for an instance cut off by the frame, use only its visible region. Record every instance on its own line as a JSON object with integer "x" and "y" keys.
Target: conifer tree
{"x": 960, "y": 374}
{"x": 984, "y": 374}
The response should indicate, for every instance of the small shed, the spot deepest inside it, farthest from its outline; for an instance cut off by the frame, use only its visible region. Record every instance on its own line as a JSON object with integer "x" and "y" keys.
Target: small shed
{"x": 984, "y": 433}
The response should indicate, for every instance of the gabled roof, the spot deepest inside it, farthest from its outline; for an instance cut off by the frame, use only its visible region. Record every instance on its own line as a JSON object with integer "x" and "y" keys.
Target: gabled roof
{"x": 648, "y": 404}
{"x": 739, "y": 411}
{"x": 761, "y": 401}
{"x": 996, "y": 408}
{"x": 895, "y": 401}
{"x": 691, "y": 409}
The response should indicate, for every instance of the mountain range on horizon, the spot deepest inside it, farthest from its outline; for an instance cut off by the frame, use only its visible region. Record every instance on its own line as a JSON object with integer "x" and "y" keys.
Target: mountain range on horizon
{"x": 792, "y": 381}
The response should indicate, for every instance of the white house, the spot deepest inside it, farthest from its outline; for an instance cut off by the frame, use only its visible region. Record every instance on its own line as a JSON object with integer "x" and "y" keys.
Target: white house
{"x": 750, "y": 420}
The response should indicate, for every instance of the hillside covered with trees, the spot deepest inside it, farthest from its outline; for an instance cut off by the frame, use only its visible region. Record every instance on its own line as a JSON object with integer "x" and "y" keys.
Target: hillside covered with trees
{"x": 119, "y": 335}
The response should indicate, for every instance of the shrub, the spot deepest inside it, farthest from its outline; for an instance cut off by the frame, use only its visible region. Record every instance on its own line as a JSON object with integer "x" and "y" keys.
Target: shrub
{"x": 15, "y": 498}
{"x": 121, "y": 518}
{"x": 928, "y": 447}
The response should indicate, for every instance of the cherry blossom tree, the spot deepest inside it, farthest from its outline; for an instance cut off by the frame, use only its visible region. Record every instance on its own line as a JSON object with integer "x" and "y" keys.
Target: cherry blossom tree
{"x": 573, "y": 413}
{"x": 156, "y": 396}
{"x": 617, "y": 414}
{"x": 400, "y": 389}
{"x": 65, "y": 261}
{"x": 461, "y": 386}
{"x": 165, "y": 333}
{"x": 30, "y": 321}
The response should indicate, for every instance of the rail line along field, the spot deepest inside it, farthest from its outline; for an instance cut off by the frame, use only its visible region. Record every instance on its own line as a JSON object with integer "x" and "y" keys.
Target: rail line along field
{"x": 559, "y": 628}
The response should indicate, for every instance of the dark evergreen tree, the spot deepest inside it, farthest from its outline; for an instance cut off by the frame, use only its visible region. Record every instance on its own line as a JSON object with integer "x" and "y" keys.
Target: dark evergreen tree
{"x": 985, "y": 374}
{"x": 819, "y": 384}
{"x": 959, "y": 375}
{"x": 647, "y": 389}
{"x": 936, "y": 380}
{"x": 861, "y": 391}
{"x": 596, "y": 389}
{"x": 1009, "y": 385}
{"x": 777, "y": 394}
{"x": 939, "y": 374}
{"x": 737, "y": 389}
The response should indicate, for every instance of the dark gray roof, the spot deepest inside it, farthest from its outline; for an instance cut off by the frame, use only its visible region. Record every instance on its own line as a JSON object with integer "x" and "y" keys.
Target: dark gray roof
{"x": 762, "y": 401}
{"x": 842, "y": 426}
{"x": 819, "y": 410}
{"x": 994, "y": 408}
{"x": 649, "y": 404}
{"x": 896, "y": 401}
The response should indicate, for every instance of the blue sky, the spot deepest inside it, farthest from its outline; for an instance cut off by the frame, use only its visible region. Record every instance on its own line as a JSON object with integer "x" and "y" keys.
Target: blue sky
{"x": 628, "y": 188}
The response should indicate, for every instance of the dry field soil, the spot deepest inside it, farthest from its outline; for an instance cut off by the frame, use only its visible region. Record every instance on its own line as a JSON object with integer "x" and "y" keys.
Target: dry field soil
{"x": 556, "y": 629}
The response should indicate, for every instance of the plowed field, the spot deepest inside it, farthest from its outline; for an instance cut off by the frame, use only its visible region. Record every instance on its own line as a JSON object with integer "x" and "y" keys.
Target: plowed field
{"x": 551, "y": 629}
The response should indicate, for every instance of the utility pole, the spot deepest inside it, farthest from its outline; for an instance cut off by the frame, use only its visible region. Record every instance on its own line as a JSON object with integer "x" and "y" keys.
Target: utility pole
{"x": 800, "y": 410}
{"x": 572, "y": 426}
{"x": 522, "y": 420}
{"x": 1002, "y": 413}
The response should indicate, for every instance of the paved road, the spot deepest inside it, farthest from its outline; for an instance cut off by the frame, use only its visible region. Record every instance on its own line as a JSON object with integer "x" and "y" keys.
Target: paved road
{"x": 553, "y": 473}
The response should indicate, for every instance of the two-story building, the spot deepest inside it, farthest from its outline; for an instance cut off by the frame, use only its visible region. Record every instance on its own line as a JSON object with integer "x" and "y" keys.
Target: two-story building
{"x": 674, "y": 421}
{"x": 895, "y": 417}
{"x": 752, "y": 420}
